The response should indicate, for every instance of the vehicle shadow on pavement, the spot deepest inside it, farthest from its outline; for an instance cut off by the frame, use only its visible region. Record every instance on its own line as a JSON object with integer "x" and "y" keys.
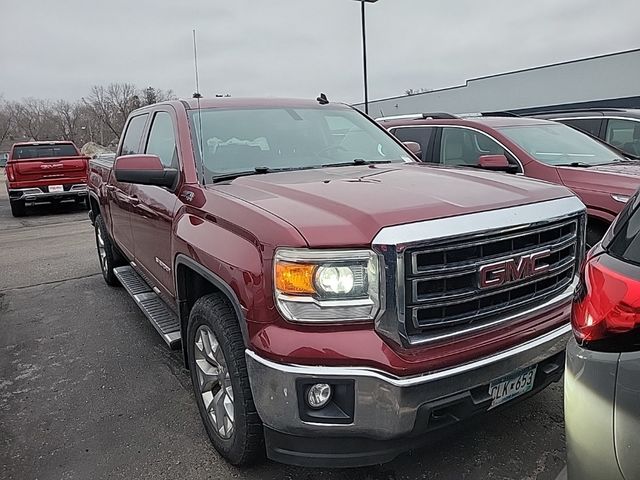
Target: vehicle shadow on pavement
{"x": 48, "y": 209}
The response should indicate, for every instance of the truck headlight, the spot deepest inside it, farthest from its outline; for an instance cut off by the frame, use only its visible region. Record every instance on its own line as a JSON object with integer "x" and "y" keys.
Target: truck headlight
{"x": 327, "y": 285}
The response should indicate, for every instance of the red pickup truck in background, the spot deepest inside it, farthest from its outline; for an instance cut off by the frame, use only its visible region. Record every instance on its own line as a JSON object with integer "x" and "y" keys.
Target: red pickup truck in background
{"x": 336, "y": 301}
{"x": 45, "y": 172}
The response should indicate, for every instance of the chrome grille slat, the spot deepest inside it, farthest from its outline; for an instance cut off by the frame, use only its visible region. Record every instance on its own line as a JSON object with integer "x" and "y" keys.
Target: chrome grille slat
{"x": 495, "y": 311}
{"x": 443, "y": 294}
{"x": 476, "y": 294}
{"x": 482, "y": 241}
{"x": 457, "y": 270}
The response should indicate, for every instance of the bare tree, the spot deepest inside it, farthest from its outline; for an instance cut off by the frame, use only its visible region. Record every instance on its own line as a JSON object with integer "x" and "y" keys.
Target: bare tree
{"x": 34, "y": 119}
{"x": 151, "y": 95}
{"x": 99, "y": 117}
{"x": 6, "y": 120}
{"x": 416, "y": 91}
{"x": 66, "y": 115}
{"x": 100, "y": 102}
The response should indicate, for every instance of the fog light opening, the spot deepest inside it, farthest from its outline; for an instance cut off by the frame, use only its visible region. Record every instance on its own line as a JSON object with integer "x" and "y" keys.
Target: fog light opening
{"x": 318, "y": 395}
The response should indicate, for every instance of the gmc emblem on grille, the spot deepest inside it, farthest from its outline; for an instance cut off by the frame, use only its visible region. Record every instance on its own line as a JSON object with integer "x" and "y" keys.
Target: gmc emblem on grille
{"x": 514, "y": 269}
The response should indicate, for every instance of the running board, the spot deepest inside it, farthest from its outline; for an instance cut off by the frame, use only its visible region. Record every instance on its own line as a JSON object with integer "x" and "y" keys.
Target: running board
{"x": 159, "y": 314}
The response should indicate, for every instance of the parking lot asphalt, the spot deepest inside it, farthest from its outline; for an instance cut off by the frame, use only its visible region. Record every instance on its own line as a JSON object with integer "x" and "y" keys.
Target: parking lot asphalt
{"x": 89, "y": 390}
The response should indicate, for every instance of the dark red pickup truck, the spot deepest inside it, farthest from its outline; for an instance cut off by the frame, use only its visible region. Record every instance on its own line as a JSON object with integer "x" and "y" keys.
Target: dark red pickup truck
{"x": 336, "y": 301}
{"x": 45, "y": 172}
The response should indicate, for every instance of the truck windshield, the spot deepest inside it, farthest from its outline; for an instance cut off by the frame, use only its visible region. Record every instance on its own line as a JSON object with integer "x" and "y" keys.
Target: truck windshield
{"x": 25, "y": 152}
{"x": 560, "y": 145}
{"x": 242, "y": 140}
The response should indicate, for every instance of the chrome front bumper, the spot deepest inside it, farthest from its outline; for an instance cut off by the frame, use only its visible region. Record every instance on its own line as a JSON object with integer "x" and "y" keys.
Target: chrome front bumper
{"x": 386, "y": 406}
{"x": 34, "y": 194}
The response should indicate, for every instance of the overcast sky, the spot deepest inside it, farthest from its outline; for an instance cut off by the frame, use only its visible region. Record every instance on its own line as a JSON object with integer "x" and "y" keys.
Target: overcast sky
{"x": 295, "y": 48}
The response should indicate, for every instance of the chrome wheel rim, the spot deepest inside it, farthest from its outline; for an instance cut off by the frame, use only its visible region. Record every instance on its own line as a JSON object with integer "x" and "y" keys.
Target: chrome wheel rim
{"x": 214, "y": 382}
{"x": 102, "y": 252}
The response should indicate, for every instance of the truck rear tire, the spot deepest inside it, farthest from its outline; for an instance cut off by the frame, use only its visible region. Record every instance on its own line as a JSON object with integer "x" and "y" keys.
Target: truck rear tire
{"x": 215, "y": 349}
{"x": 106, "y": 254}
{"x": 18, "y": 208}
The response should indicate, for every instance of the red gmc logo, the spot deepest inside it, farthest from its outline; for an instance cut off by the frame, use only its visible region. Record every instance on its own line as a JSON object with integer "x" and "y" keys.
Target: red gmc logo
{"x": 508, "y": 271}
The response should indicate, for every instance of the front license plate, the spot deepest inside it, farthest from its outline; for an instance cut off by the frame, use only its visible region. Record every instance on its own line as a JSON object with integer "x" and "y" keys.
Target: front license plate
{"x": 507, "y": 388}
{"x": 56, "y": 188}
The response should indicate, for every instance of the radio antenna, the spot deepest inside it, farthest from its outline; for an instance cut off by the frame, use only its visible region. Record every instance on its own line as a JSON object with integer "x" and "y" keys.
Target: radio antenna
{"x": 197, "y": 95}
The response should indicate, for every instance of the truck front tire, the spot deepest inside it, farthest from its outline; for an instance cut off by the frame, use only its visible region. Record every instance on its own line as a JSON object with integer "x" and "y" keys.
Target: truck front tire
{"x": 107, "y": 256}
{"x": 220, "y": 381}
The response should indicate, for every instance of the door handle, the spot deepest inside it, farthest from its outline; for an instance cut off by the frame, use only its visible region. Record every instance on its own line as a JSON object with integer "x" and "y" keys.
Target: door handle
{"x": 134, "y": 200}
{"x": 110, "y": 188}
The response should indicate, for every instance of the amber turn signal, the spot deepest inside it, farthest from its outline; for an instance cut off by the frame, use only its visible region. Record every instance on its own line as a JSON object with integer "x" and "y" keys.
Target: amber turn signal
{"x": 295, "y": 278}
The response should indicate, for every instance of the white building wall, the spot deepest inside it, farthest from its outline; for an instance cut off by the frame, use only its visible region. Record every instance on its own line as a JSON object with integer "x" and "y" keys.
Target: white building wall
{"x": 598, "y": 78}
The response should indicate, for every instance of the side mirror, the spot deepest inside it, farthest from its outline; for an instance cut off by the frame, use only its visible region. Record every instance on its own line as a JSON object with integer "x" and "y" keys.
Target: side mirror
{"x": 144, "y": 170}
{"x": 496, "y": 163}
{"x": 414, "y": 147}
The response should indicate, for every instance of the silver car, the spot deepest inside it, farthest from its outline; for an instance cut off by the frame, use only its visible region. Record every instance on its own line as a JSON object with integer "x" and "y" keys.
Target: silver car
{"x": 602, "y": 376}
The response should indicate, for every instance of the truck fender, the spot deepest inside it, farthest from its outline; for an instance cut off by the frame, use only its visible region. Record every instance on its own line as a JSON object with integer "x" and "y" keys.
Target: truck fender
{"x": 602, "y": 215}
{"x": 94, "y": 202}
{"x": 217, "y": 282}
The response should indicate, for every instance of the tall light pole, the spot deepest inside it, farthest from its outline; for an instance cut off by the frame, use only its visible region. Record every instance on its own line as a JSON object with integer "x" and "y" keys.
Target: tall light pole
{"x": 364, "y": 53}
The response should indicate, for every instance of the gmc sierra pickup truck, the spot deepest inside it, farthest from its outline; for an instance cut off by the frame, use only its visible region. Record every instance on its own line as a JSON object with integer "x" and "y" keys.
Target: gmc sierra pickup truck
{"x": 45, "y": 172}
{"x": 337, "y": 302}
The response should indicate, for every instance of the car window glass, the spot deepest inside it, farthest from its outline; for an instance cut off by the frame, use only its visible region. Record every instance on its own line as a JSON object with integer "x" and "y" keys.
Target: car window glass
{"x": 22, "y": 152}
{"x": 626, "y": 243}
{"x": 558, "y": 144}
{"x": 421, "y": 135}
{"x": 624, "y": 134}
{"x": 162, "y": 140}
{"x": 589, "y": 125}
{"x": 461, "y": 146}
{"x": 133, "y": 135}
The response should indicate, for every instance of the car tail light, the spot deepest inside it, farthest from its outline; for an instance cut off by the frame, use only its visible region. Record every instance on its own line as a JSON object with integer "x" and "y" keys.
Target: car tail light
{"x": 607, "y": 304}
{"x": 10, "y": 173}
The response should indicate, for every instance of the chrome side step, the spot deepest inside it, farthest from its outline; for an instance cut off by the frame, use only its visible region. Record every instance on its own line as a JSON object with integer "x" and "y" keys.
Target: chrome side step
{"x": 159, "y": 314}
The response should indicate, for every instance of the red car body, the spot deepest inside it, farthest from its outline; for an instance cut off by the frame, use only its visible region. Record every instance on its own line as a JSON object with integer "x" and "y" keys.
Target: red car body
{"x": 603, "y": 189}
{"x": 229, "y": 233}
{"x": 45, "y": 172}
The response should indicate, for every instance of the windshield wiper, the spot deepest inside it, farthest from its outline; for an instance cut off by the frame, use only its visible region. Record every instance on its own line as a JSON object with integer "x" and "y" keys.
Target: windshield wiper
{"x": 355, "y": 161}
{"x": 575, "y": 164}
{"x": 232, "y": 176}
{"x": 262, "y": 170}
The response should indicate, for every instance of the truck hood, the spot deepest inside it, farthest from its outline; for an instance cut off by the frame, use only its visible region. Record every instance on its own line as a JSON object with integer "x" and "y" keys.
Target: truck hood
{"x": 621, "y": 178}
{"x": 347, "y": 206}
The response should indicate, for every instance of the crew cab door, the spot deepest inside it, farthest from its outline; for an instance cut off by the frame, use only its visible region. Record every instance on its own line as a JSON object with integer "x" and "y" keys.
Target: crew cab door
{"x": 119, "y": 194}
{"x": 153, "y": 207}
{"x": 463, "y": 146}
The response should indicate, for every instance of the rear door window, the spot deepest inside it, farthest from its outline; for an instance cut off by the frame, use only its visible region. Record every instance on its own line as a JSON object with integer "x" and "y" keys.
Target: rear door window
{"x": 589, "y": 125}
{"x": 421, "y": 135}
{"x": 133, "y": 135}
{"x": 624, "y": 134}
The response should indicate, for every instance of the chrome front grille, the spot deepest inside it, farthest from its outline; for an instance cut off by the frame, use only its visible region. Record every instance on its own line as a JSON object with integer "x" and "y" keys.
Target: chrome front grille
{"x": 442, "y": 289}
